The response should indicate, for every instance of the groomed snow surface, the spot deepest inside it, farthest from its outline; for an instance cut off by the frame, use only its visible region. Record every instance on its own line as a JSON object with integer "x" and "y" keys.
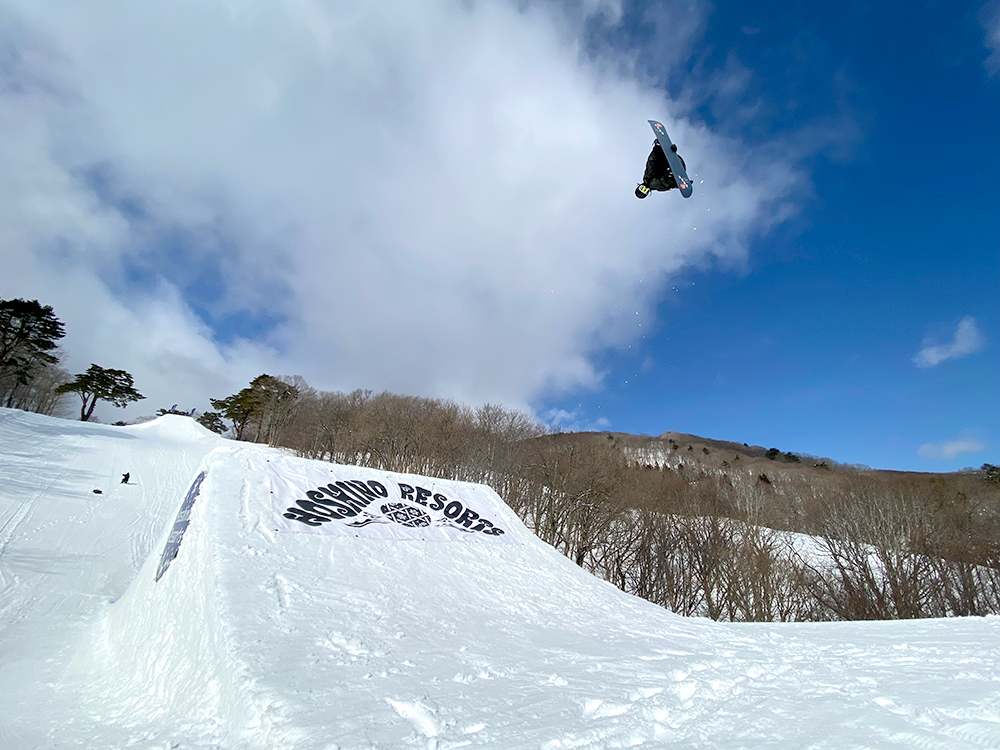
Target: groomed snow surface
{"x": 260, "y": 635}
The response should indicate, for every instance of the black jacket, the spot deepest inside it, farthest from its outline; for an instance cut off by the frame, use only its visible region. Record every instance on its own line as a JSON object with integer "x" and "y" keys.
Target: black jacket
{"x": 658, "y": 175}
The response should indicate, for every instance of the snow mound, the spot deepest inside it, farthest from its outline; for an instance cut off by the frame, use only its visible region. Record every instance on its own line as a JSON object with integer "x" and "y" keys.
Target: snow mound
{"x": 173, "y": 427}
{"x": 396, "y": 632}
{"x": 233, "y": 596}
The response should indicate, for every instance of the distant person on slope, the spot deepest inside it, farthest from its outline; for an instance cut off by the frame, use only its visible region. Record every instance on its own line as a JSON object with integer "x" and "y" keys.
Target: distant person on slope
{"x": 658, "y": 175}
{"x": 125, "y": 477}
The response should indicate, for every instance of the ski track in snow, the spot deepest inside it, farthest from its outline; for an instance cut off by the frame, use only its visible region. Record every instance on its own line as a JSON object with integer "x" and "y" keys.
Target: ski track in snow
{"x": 257, "y": 638}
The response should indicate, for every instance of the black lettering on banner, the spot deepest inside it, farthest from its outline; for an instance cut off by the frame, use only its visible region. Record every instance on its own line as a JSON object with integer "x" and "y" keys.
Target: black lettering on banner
{"x": 336, "y": 500}
{"x": 340, "y": 505}
{"x": 347, "y": 498}
{"x": 353, "y": 494}
{"x": 365, "y": 490}
{"x": 319, "y": 509}
{"x": 467, "y": 518}
{"x": 349, "y": 502}
{"x": 309, "y": 519}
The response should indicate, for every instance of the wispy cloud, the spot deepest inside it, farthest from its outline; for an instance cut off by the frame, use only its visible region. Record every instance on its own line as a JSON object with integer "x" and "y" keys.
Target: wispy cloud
{"x": 990, "y": 16}
{"x": 967, "y": 340}
{"x": 949, "y": 450}
{"x": 431, "y": 198}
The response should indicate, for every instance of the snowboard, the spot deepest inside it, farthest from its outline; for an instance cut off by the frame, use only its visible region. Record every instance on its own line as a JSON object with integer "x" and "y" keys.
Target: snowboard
{"x": 680, "y": 174}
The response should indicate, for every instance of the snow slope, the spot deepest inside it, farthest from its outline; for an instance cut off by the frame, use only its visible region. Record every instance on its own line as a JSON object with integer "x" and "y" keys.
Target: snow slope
{"x": 261, "y": 636}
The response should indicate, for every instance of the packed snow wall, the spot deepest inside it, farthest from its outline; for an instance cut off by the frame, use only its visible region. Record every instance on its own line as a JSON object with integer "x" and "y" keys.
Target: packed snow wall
{"x": 303, "y": 585}
{"x": 307, "y": 606}
{"x": 163, "y": 649}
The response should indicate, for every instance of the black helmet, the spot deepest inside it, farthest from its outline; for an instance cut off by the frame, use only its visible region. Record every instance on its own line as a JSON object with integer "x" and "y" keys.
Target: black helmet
{"x": 673, "y": 147}
{"x": 641, "y": 191}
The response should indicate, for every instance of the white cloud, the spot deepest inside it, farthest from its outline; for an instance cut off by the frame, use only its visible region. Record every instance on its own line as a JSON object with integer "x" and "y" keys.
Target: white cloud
{"x": 432, "y": 198}
{"x": 949, "y": 450}
{"x": 967, "y": 340}
{"x": 562, "y": 420}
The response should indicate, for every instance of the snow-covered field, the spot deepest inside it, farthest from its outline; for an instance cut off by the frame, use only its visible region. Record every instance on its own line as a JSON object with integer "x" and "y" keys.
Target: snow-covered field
{"x": 263, "y": 635}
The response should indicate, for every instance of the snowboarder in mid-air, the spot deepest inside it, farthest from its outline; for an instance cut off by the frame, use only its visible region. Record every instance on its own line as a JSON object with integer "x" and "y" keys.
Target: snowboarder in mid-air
{"x": 658, "y": 175}
{"x": 665, "y": 170}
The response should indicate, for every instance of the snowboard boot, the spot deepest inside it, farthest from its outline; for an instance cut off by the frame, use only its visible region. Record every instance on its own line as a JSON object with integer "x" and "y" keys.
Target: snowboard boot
{"x": 642, "y": 191}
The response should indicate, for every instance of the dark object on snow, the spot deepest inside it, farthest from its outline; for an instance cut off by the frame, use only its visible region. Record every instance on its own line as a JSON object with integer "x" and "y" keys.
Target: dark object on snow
{"x": 658, "y": 175}
{"x": 125, "y": 477}
{"x": 179, "y": 527}
{"x": 98, "y": 492}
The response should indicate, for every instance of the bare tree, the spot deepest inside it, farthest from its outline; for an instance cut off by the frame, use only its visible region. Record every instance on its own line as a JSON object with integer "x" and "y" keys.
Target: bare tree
{"x": 40, "y": 394}
{"x": 700, "y": 531}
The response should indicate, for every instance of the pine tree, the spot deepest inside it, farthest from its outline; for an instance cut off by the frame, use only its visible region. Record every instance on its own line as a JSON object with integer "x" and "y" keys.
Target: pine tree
{"x": 29, "y": 332}
{"x": 101, "y": 384}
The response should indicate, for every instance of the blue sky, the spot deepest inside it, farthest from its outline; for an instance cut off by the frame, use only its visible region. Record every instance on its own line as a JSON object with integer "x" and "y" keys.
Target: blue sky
{"x": 811, "y": 346}
{"x": 435, "y": 198}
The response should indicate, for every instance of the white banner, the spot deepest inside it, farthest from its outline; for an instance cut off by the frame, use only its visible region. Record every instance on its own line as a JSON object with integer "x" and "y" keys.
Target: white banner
{"x": 358, "y": 502}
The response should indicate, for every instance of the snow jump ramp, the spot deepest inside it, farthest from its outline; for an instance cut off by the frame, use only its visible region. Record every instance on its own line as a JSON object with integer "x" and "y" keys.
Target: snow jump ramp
{"x": 299, "y": 604}
{"x": 295, "y": 603}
